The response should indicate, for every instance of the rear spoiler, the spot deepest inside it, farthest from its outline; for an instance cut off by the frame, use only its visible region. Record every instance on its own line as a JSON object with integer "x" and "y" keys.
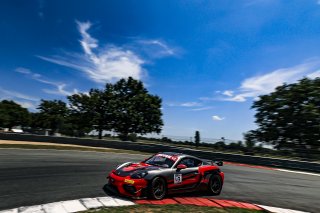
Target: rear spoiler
{"x": 211, "y": 162}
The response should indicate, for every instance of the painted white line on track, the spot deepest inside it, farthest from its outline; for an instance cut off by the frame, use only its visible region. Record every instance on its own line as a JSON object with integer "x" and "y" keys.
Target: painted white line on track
{"x": 10, "y": 211}
{"x": 91, "y": 203}
{"x": 279, "y": 210}
{"x": 108, "y": 201}
{"x": 298, "y": 172}
{"x": 31, "y": 209}
{"x": 123, "y": 202}
{"x": 73, "y": 206}
{"x": 56, "y": 207}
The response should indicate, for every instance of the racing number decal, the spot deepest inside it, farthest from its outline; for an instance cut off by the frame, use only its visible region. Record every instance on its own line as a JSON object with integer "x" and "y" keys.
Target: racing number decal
{"x": 177, "y": 178}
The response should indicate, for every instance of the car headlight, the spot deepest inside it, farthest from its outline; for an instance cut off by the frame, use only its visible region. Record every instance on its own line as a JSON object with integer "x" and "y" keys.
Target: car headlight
{"x": 138, "y": 175}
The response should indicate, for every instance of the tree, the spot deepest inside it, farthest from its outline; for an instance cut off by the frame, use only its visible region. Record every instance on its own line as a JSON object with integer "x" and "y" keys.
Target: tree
{"x": 197, "y": 138}
{"x": 249, "y": 139}
{"x": 13, "y": 114}
{"x": 93, "y": 110}
{"x": 136, "y": 111}
{"x": 289, "y": 117}
{"x": 52, "y": 115}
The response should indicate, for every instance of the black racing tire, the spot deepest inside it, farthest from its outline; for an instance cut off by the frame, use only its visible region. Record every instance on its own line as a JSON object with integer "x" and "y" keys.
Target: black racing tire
{"x": 215, "y": 185}
{"x": 157, "y": 188}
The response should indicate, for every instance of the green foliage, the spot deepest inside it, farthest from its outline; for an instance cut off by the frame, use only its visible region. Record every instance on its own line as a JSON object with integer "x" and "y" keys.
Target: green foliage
{"x": 94, "y": 110}
{"x": 12, "y": 114}
{"x": 249, "y": 139}
{"x": 135, "y": 110}
{"x": 289, "y": 118}
{"x": 52, "y": 115}
{"x": 125, "y": 107}
{"x": 197, "y": 138}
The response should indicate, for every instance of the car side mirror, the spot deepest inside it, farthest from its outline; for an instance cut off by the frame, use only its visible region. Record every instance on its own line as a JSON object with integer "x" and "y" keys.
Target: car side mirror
{"x": 219, "y": 163}
{"x": 181, "y": 166}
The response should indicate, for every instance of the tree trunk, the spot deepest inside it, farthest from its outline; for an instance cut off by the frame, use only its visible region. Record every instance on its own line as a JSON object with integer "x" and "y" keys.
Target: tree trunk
{"x": 100, "y": 133}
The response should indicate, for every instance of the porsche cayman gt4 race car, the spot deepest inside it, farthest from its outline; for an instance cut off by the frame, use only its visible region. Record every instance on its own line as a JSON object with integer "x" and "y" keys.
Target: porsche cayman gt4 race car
{"x": 166, "y": 173}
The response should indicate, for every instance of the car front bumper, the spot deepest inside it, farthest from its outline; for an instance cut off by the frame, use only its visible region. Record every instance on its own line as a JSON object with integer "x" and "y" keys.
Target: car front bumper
{"x": 126, "y": 186}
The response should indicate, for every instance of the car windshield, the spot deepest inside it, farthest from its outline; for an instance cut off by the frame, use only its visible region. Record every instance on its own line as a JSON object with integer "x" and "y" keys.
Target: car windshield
{"x": 160, "y": 160}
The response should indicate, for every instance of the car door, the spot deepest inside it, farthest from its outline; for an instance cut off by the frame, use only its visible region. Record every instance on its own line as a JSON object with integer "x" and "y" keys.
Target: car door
{"x": 186, "y": 178}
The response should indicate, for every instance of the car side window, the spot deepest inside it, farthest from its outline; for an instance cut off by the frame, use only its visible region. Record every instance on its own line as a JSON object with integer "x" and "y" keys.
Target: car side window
{"x": 190, "y": 162}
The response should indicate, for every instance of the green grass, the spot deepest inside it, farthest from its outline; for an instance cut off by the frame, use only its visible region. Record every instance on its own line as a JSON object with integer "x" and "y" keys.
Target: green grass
{"x": 57, "y": 147}
{"x": 171, "y": 209}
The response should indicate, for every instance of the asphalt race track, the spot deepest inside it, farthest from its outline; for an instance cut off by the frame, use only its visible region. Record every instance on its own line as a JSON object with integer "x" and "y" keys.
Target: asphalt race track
{"x": 31, "y": 177}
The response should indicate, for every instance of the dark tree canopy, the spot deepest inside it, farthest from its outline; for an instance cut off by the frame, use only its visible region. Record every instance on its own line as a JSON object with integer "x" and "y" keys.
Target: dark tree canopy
{"x": 136, "y": 111}
{"x": 52, "y": 114}
{"x": 289, "y": 118}
{"x": 125, "y": 107}
{"x": 13, "y": 114}
{"x": 93, "y": 110}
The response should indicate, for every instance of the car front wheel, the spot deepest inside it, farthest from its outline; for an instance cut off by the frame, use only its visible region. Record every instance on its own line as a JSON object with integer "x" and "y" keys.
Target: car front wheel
{"x": 157, "y": 188}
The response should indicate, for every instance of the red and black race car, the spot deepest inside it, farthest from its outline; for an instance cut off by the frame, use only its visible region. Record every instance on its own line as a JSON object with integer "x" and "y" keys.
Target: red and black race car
{"x": 166, "y": 173}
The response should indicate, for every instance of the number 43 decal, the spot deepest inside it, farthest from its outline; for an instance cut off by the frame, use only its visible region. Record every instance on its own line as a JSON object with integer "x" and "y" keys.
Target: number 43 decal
{"x": 177, "y": 178}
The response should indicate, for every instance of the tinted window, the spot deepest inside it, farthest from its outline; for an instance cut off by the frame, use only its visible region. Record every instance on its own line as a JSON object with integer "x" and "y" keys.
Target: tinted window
{"x": 162, "y": 161}
{"x": 190, "y": 162}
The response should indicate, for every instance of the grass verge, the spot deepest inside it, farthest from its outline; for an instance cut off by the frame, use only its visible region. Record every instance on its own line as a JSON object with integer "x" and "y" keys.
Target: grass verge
{"x": 171, "y": 209}
{"x": 76, "y": 148}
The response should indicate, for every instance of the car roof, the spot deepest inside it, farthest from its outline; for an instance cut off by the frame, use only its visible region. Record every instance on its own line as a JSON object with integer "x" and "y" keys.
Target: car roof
{"x": 180, "y": 155}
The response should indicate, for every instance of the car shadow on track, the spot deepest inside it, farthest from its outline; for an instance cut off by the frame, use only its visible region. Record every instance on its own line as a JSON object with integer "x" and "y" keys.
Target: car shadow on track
{"x": 109, "y": 192}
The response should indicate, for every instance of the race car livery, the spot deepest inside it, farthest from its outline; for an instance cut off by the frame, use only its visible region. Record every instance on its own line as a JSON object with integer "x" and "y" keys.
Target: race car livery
{"x": 166, "y": 173}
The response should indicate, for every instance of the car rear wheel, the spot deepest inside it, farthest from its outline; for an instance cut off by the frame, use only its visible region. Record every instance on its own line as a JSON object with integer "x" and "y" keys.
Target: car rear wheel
{"x": 157, "y": 188}
{"x": 215, "y": 184}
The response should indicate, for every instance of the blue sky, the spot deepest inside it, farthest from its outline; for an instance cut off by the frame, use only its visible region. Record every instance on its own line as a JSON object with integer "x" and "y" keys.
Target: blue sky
{"x": 208, "y": 60}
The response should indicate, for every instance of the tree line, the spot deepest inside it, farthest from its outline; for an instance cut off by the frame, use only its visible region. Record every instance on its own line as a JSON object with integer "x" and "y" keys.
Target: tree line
{"x": 289, "y": 118}
{"x": 125, "y": 107}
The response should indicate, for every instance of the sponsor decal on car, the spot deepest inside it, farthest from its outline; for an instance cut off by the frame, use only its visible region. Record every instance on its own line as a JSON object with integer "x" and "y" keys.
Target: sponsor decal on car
{"x": 129, "y": 181}
{"x": 177, "y": 178}
{"x": 172, "y": 157}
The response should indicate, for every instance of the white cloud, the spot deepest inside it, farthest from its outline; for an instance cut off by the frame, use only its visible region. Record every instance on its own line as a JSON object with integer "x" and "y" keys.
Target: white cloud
{"x": 25, "y": 101}
{"x": 263, "y": 84}
{"x": 201, "y": 109}
{"x": 101, "y": 64}
{"x": 186, "y": 104}
{"x": 228, "y": 93}
{"x": 61, "y": 91}
{"x": 314, "y": 74}
{"x": 27, "y": 104}
{"x": 23, "y": 70}
{"x": 157, "y": 48}
{"x": 190, "y": 104}
{"x": 7, "y": 94}
{"x": 217, "y": 118}
{"x": 60, "y": 87}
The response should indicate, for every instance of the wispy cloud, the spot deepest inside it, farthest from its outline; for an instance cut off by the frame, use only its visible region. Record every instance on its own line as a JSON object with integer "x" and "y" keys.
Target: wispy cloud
{"x": 108, "y": 63}
{"x": 255, "y": 86}
{"x": 60, "y": 87}
{"x": 201, "y": 109}
{"x": 60, "y": 90}
{"x": 217, "y": 118}
{"x": 157, "y": 48}
{"x": 228, "y": 93}
{"x": 25, "y": 101}
{"x": 7, "y": 94}
{"x": 100, "y": 64}
{"x": 185, "y": 104}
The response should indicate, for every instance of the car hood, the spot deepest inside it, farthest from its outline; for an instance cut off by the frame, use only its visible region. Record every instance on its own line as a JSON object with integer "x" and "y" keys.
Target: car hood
{"x": 128, "y": 169}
